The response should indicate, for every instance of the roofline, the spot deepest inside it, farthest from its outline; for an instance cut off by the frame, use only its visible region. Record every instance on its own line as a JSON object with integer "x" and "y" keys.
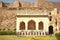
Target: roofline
{"x": 32, "y": 16}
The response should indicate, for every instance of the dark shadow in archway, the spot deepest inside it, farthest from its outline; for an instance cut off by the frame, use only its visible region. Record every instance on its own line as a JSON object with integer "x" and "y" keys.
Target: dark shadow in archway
{"x": 41, "y": 25}
{"x": 31, "y": 25}
{"x": 22, "y": 26}
{"x": 50, "y": 29}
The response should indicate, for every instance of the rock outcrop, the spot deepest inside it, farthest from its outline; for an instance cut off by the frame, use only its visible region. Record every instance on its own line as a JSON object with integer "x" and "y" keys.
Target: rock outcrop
{"x": 8, "y": 17}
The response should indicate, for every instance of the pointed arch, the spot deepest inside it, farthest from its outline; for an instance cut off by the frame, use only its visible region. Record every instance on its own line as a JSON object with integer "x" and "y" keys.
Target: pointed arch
{"x": 41, "y": 25}
{"x": 22, "y": 25}
{"x": 50, "y": 29}
{"x": 31, "y": 25}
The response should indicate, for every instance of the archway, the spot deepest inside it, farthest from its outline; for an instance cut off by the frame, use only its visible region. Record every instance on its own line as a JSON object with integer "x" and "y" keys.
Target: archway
{"x": 31, "y": 25}
{"x": 22, "y": 26}
{"x": 40, "y": 25}
{"x": 50, "y": 29}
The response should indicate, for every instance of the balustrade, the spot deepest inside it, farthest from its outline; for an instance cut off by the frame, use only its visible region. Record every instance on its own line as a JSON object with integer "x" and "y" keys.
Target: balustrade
{"x": 32, "y": 12}
{"x": 31, "y": 33}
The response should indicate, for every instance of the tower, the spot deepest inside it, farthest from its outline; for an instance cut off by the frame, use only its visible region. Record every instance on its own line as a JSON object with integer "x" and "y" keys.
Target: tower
{"x": 16, "y": 4}
{"x": 1, "y": 4}
{"x": 38, "y": 3}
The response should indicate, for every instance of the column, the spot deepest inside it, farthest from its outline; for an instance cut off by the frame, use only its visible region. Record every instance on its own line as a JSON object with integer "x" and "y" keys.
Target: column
{"x": 58, "y": 24}
{"x": 17, "y": 26}
{"x": 26, "y": 26}
{"x": 44, "y": 34}
{"x": 38, "y": 33}
{"x": 36, "y": 25}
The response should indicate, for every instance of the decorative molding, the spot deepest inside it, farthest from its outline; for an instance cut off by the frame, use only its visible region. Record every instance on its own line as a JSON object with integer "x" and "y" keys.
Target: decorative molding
{"x": 32, "y": 16}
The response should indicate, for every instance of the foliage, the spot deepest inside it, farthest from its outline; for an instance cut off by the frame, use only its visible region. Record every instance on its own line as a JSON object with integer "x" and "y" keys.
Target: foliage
{"x": 57, "y": 36}
{"x": 7, "y": 32}
{"x": 14, "y": 37}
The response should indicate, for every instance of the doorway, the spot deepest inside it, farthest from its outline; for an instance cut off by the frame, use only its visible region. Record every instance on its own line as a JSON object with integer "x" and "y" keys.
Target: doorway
{"x": 50, "y": 30}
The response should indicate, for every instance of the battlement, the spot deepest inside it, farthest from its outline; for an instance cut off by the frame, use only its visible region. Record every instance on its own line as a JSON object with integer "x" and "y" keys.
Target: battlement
{"x": 37, "y": 3}
{"x": 34, "y": 11}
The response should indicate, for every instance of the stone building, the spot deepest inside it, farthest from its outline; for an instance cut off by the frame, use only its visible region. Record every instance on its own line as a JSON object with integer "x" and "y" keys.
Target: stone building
{"x": 24, "y": 17}
{"x": 36, "y": 21}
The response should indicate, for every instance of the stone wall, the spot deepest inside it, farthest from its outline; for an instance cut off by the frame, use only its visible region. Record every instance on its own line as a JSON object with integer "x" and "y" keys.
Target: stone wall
{"x": 8, "y": 18}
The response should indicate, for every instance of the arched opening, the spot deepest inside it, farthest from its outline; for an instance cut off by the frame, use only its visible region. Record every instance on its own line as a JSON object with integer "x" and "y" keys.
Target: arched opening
{"x": 49, "y": 13}
{"x": 50, "y": 29}
{"x": 50, "y": 18}
{"x": 41, "y": 25}
{"x": 31, "y": 25}
{"x": 22, "y": 26}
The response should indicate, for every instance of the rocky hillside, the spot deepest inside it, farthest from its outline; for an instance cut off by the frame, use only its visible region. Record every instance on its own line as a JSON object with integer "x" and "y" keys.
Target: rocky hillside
{"x": 8, "y": 19}
{"x": 48, "y": 4}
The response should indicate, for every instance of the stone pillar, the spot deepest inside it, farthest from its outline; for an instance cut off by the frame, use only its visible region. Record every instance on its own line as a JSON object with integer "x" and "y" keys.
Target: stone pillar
{"x": 26, "y": 26}
{"x": 36, "y": 25}
{"x": 17, "y": 26}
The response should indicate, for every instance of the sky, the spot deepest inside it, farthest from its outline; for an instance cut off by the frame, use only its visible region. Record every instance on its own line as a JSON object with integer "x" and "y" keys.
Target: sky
{"x": 11, "y": 1}
{"x": 55, "y": 0}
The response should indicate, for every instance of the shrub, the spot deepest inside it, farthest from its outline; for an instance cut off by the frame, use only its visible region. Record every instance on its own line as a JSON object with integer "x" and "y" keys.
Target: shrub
{"x": 7, "y": 32}
{"x": 57, "y": 36}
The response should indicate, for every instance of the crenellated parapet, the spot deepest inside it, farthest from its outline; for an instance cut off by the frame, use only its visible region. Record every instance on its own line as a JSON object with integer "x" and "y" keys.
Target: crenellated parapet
{"x": 36, "y": 11}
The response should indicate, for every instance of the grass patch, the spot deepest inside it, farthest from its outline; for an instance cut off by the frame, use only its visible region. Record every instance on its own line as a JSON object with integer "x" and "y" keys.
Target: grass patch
{"x": 57, "y": 36}
{"x": 13, "y": 37}
{"x": 9, "y": 32}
